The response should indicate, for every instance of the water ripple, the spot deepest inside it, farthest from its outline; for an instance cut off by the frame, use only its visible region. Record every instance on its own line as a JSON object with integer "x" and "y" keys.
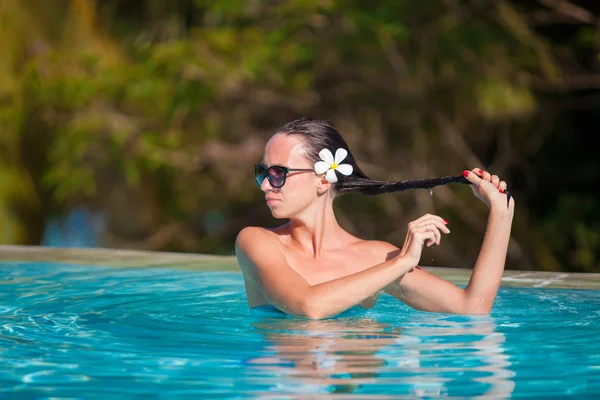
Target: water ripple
{"x": 121, "y": 333}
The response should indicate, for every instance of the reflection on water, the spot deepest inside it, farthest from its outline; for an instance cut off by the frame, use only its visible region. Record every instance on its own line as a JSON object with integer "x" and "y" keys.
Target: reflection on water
{"x": 439, "y": 356}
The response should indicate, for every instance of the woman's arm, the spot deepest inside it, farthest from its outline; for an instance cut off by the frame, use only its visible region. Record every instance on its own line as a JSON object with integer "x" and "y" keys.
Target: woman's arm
{"x": 489, "y": 267}
{"x": 424, "y": 291}
{"x": 263, "y": 262}
{"x": 261, "y": 259}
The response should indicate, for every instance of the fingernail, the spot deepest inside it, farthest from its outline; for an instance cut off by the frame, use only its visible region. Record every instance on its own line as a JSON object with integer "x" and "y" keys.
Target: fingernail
{"x": 444, "y": 221}
{"x": 500, "y": 190}
{"x": 479, "y": 172}
{"x": 465, "y": 173}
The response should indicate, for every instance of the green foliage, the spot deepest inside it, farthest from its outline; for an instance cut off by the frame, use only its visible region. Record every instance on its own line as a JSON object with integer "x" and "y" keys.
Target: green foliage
{"x": 571, "y": 233}
{"x": 168, "y": 106}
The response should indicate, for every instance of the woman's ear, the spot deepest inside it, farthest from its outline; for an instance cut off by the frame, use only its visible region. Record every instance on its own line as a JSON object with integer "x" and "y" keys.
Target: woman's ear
{"x": 323, "y": 185}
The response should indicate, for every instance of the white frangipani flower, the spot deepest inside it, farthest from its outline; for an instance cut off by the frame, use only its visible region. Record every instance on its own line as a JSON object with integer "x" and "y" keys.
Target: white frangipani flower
{"x": 329, "y": 164}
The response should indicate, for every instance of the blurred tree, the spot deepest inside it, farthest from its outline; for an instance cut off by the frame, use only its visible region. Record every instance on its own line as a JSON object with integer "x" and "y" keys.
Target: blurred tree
{"x": 155, "y": 111}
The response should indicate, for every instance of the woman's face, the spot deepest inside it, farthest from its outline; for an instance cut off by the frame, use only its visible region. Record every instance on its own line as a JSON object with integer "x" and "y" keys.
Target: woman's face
{"x": 299, "y": 189}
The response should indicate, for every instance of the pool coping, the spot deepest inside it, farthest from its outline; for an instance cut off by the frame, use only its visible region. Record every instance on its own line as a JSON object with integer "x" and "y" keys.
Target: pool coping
{"x": 206, "y": 262}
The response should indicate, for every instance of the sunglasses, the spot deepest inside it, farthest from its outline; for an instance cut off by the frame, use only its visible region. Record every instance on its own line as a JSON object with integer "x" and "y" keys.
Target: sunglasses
{"x": 276, "y": 174}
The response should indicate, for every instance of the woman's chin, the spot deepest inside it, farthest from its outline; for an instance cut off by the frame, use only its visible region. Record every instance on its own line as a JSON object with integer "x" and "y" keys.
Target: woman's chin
{"x": 276, "y": 212}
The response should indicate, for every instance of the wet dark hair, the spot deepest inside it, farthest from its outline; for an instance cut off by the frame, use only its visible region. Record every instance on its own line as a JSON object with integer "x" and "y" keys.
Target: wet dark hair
{"x": 319, "y": 134}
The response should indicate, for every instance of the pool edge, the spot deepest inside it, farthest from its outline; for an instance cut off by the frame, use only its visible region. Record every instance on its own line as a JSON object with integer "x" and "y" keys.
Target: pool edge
{"x": 205, "y": 262}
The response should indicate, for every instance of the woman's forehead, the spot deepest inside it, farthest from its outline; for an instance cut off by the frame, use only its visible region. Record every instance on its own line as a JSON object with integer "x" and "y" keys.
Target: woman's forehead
{"x": 286, "y": 150}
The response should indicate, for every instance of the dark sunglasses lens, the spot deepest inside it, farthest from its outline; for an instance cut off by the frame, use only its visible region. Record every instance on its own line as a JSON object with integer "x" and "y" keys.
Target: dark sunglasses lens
{"x": 276, "y": 176}
{"x": 260, "y": 174}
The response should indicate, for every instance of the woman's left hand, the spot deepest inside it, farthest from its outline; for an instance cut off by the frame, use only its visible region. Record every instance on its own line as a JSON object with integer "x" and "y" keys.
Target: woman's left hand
{"x": 487, "y": 187}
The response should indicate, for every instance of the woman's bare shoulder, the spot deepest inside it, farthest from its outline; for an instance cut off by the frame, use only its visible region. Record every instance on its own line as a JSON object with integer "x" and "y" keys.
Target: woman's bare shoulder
{"x": 378, "y": 248}
{"x": 250, "y": 233}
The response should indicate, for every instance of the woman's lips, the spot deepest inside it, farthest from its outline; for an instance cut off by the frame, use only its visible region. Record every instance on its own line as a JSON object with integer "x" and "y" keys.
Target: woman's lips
{"x": 271, "y": 201}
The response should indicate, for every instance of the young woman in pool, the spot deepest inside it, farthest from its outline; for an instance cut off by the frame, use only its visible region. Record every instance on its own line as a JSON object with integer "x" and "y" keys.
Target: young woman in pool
{"x": 311, "y": 267}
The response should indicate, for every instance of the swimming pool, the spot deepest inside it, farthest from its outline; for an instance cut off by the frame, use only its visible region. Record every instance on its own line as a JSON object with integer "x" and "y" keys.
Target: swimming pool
{"x": 80, "y": 330}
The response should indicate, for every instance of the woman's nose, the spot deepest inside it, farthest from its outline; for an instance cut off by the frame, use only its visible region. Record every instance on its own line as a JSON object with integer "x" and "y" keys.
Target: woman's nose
{"x": 266, "y": 185}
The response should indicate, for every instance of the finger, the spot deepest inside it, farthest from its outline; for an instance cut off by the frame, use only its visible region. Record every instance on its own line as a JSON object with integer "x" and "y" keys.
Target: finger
{"x": 495, "y": 180}
{"x": 502, "y": 186}
{"x": 427, "y": 218}
{"x": 430, "y": 217}
{"x": 442, "y": 227}
{"x": 486, "y": 176}
{"x": 438, "y": 222}
{"x": 426, "y": 237}
{"x": 472, "y": 177}
{"x": 422, "y": 229}
{"x": 425, "y": 234}
{"x": 436, "y": 233}
{"x": 432, "y": 228}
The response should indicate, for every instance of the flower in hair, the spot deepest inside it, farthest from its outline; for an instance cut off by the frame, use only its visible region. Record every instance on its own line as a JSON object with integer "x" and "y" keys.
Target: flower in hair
{"x": 330, "y": 164}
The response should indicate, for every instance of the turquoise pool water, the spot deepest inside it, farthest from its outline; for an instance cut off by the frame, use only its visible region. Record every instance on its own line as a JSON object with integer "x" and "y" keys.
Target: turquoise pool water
{"x": 92, "y": 332}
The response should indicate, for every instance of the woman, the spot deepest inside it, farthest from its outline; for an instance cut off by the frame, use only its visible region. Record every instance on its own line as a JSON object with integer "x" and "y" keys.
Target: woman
{"x": 311, "y": 267}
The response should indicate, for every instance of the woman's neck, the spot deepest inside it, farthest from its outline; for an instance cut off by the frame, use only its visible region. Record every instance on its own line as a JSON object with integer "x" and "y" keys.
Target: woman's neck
{"x": 316, "y": 231}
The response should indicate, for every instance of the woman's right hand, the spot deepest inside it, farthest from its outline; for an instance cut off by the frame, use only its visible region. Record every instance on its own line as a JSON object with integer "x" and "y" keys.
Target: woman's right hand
{"x": 489, "y": 188}
{"x": 426, "y": 230}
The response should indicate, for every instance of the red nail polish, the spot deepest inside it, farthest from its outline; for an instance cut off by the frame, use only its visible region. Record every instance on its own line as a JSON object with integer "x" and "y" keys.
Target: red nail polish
{"x": 465, "y": 173}
{"x": 479, "y": 172}
{"x": 500, "y": 190}
{"x": 444, "y": 221}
